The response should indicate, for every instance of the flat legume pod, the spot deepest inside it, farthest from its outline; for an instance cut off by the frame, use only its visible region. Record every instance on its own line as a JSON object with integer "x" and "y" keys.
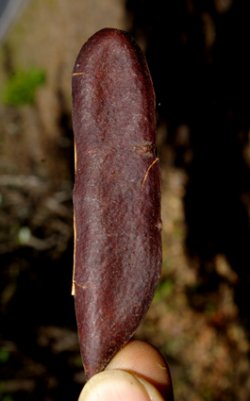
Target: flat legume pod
{"x": 117, "y": 257}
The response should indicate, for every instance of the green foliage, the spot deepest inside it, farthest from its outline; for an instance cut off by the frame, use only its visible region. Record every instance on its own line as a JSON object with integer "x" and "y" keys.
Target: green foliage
{"x": 4, "y": 355}
{"x": 20, "y": 89}
{"x": 164, "y": 290}
{"x": 8, "y": 398}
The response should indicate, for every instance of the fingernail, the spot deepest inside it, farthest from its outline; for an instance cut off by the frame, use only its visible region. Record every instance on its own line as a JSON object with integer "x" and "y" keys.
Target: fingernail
{"x": 118, "y": 385}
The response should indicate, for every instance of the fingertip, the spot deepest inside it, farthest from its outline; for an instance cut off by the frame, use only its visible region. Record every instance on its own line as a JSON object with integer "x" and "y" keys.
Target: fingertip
{"x": 146, "y": 362}
{"x": 114, "y": 385}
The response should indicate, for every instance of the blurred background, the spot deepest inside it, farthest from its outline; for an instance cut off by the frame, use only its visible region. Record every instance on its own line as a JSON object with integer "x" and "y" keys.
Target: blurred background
{"x": 199, "y": 319}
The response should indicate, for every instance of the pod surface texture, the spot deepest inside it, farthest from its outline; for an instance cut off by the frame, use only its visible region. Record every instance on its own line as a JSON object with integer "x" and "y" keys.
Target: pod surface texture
{"x": 117, "y": 255}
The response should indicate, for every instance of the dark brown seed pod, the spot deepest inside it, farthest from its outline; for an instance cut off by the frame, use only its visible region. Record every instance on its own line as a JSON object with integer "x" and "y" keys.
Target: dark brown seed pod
{"x": 117, "y": 257}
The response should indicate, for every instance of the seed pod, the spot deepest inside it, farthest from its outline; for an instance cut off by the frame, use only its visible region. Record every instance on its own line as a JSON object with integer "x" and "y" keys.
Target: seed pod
{"x": 117, "y": 257}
